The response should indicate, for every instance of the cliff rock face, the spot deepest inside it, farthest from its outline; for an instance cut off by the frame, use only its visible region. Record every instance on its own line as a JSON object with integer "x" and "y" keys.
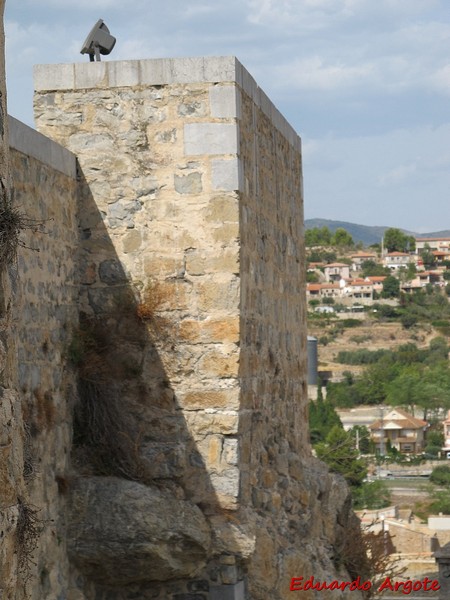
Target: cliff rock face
{"x": 123, "y": 532}
{"x": 162, "y": 341}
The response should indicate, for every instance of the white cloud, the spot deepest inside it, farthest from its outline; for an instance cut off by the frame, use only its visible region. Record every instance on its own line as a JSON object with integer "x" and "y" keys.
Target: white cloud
{"x": 398, "y": 174}
{"x": 314, "y": 73}
{"x": 75, "y": 4}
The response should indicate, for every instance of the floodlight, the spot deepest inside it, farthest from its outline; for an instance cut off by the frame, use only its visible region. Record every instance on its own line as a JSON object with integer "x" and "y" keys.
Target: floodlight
{"x": 99, "y": 41}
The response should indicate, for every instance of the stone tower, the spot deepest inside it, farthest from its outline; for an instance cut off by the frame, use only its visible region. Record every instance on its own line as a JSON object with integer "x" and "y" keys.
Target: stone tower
{"x": 192, "y": 337}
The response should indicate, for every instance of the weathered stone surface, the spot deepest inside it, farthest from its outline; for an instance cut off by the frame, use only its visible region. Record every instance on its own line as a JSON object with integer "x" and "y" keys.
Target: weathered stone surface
{"x": 122, "y": 531}
{"x": 188, "y": 184}
{"x": 111, "y": 272}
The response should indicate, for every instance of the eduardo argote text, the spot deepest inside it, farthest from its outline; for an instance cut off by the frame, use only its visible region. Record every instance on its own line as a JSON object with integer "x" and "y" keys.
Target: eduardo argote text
{"x": 405, "y": 587}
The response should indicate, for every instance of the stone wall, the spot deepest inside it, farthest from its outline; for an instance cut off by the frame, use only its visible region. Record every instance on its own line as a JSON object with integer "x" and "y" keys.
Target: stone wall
{"x": 44, "y": 313}
{"x": 190, "y": 350}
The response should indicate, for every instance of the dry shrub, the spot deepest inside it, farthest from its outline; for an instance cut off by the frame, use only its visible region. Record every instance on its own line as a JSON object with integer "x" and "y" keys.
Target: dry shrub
{"x": 153, "y": 298}
{"x": 150, "y": 308}
{"x": 28, "y": 531}
{"x": 88, "y": 349}
{"x": 367, "y": 554}
{"x": 106, "y": 437}
{"x": 12, "y": 223}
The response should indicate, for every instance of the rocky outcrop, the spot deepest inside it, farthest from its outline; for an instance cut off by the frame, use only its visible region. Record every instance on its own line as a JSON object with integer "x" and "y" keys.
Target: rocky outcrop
{"x": 122, "y": 531}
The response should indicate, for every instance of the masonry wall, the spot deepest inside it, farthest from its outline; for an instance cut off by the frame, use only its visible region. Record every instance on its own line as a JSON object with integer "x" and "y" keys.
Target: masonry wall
{"x": 45, "y": 314}
{"x": 191, "y": 271}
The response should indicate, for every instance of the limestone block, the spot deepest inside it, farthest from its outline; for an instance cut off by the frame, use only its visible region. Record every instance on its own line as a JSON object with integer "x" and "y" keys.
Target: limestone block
{"x": 225, "y": 101}
{"x": 54, "y": 77}
{"x": 225, "y": 422}
{"x": 226, "y": 175}
{"x": 227, "y": 233}
{"x": 216, "y": 399}
{"x": 210, "y": 138}
{"x": 223, "y": 209}
{"x": 214, "y": 261}
{"x": 217, "y": 364}
{"x": 188, "y": 184}
{"x": 100, "y": 142}
{"x": 169, "y": 265}
{"x": 124, "y": 73}
{"x": 192, "y": 109}
{"x": 121, "y": 532}
{"x": 226, "y": 482}
{"x": 132, "y": 241}
{"x": 90, "y": 75}
{"x": 219, "y": 293}
{"x": 210, "y": 330}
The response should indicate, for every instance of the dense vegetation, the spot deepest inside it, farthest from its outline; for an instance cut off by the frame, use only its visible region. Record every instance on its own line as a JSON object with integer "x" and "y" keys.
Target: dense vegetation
{"x": 408, "y": 376}
{"x": 341, "y": 451}
{"x": 322, "y": 236}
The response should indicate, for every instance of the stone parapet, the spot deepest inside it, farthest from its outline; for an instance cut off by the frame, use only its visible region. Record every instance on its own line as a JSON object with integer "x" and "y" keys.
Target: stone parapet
{"x": 167, "y": 71}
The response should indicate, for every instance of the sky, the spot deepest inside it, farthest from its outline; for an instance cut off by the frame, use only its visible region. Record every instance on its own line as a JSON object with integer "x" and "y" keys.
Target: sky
{"x": 365, "y": 83}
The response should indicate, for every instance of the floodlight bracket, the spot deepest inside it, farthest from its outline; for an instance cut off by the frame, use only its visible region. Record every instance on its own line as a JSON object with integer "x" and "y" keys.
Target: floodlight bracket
{"x": 99, "y": 41}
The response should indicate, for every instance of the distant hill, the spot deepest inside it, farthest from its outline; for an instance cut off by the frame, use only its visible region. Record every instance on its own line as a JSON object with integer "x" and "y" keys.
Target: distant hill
{"x": 365, "y": 233}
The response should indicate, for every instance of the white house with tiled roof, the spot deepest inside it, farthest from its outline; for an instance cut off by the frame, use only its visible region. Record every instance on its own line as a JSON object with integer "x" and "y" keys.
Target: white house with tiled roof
{"x": 398, "y": 429}
{"x": 323, "y": 290}
{"x": 397, "y": 260}
{"x": 336, "y": 271}
{"x": 377, "y": 282}
{"x": 442, "y": 243}
{"x": 358, "y": 288}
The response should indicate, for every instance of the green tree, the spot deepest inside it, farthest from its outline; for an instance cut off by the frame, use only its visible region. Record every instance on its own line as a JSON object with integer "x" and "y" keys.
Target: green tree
{"x": 342, "y": 239}
{"x": 407, "y": 389}
{"x": 428, "y": 258}
{"x": 339, "y": 453}
{"x": 440, "y": 502}
{"x": 372, "y": 495}
{"x": 397, "y": 241}
{"x": 391, "y": 287}
{"x": 370, "y": 268}
{"x": 441, "y": 475}
{"x": 435, "y": 443}
{"x": 407, "y": 273}
{"x": 318, "y": 236}
{"x": 322, "y": 418}
{"x": 312, "y": 277}
{"x": 361, "y": 436}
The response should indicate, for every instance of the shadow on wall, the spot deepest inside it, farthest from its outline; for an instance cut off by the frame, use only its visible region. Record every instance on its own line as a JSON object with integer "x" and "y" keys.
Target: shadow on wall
{"x": 140, "y": 510}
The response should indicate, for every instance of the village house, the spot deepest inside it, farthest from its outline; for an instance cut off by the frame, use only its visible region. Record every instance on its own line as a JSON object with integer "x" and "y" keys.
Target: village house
{"x": 397, "y": 260}
{"x": 323, "y": 290}
{"x": 430, "y": 277}
{"x": 446, "y": 426}
{"x": 313, "y": 291}
{"x": 358, "y": 288}
{"x": 411, "y": 286}
{"x": 360, "y": 257}
{"x": 400, "y": 430}
{"x": 336, "y": 271}
{"x": 377, "y": 282}
{"x": 330, "y": 290}
{"x": 440, "y": 256}
{"x": 442, "y": 244}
